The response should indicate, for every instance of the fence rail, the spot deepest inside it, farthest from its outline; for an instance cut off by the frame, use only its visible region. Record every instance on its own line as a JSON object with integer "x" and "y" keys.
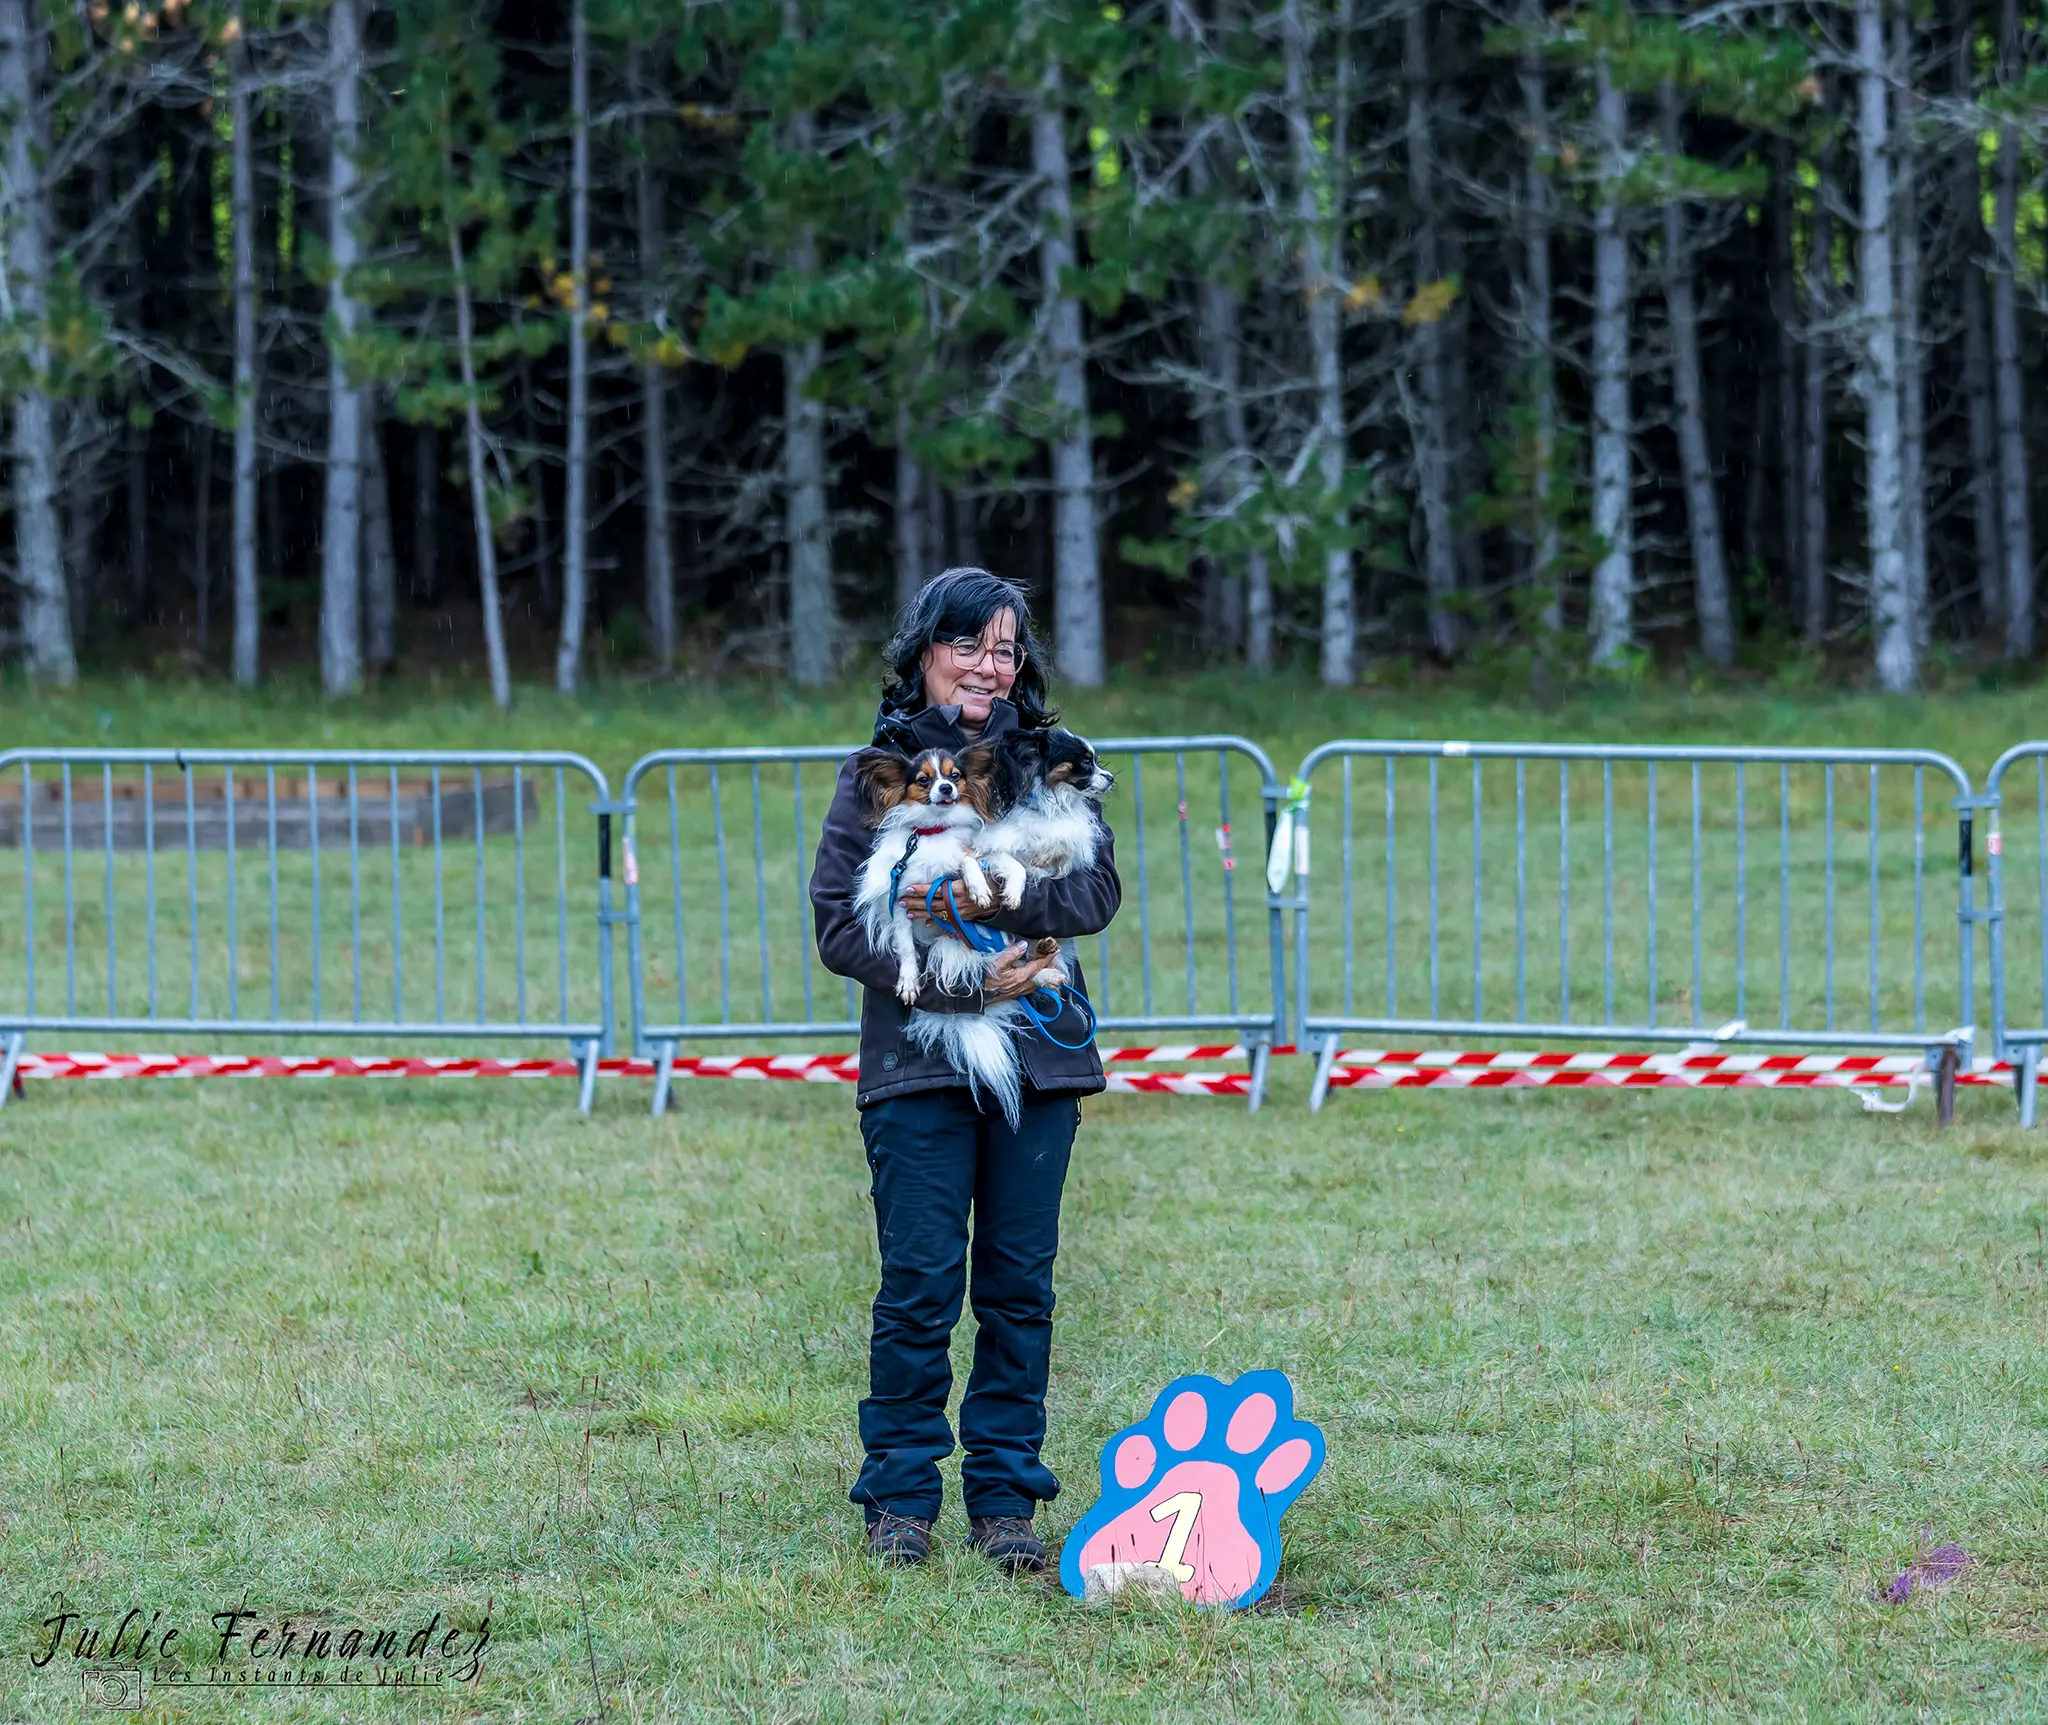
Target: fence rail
{"x": 1601, "y": 841}
{"x": 1504, "y": 891}
{"x": 290, "y": 893}
{"x": 718, "y": 918}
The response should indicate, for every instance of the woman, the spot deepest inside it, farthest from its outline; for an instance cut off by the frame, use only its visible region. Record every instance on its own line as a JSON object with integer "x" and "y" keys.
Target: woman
{"x": 962, "y": 667}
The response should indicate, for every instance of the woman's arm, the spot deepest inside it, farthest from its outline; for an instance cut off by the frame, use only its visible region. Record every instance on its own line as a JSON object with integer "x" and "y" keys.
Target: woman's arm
{"x": 842, "y": 943}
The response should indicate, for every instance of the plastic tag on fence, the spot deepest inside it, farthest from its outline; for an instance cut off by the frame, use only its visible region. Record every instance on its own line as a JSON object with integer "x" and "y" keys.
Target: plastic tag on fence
{"x": 1289, "y": 854}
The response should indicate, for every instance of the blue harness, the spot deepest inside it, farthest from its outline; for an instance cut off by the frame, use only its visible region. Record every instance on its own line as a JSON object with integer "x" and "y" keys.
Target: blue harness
{"x": 1044, "y": 1005}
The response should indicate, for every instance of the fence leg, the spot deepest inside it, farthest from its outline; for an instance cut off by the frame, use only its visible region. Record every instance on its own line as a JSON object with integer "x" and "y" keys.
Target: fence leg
{"x": 1326, "y": 1058}
{"x": 10, "y": 1060}
{"x": 664, "y": 1074}
{"x": 586, "y": 1077}
{"x": 1945, "y": 1084}
{"x": 2027, "y": 1080}
{"x": 1260, "y": 1055}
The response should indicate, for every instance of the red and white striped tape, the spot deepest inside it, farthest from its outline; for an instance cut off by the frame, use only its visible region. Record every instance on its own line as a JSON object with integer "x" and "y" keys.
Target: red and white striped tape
{"x": 804, "y": 1068}
{"x": 1473, "y": 1069}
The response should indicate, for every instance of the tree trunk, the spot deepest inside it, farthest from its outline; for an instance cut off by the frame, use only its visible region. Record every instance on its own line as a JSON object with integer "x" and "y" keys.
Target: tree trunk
{"x": 341, "y": 647}
{"x": 1613, "y": 617}
{"x": 2015, "y": 527}
{"x": 1545, "y": 542}
{"x": 1077, "y": 574}
{"x": 1702, "y": 506}
{"x": 1320, "y": 267}
{"x": 202, "y": 531}
{"x": 1898, "y": 653}
{"x": 246, "y": 600}
{"x": 576, "y": 484}
{"x": 138, "y": 520}
{"x": 813, "y": 613}
{"x": 1912, "y": 349}
{"x": 380, "y": 561}
{"x": 1784, "y": 318}
{"x": 912, "y": 533}
{"x": 1431, "y": 431}
{"x": 1242, "y": 604}
{"x": 1968, "y": 199}
{"x": 1813, "y": 426}
{"x": 479, "y": 486}
{"x": 424, "y": 582}
{"x": 660, "y": 571}
{"x": 24, "y": 300}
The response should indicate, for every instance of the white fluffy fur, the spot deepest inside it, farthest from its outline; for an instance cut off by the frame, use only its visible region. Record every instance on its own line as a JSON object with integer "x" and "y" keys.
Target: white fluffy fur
{"x": 1052, "y": 834}
{"x": 938, "y": 855}
{"x": 977, "y": 1044}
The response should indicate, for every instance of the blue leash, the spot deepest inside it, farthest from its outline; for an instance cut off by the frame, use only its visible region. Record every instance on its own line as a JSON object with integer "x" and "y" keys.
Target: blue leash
{"x": 986, "y": 940}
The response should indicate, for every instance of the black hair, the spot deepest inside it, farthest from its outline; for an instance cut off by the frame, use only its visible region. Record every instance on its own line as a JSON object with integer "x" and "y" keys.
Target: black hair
{"x": 960, "y": 602}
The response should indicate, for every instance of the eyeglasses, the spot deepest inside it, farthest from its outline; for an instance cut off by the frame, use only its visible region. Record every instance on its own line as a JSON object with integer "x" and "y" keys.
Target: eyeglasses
{"x": 968, "y": 652}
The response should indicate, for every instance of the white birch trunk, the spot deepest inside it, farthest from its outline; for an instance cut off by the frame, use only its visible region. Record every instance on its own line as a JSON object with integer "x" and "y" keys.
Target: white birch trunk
{"x": 246, "y": 598}
{"x": 1813, "y": 417}
{"x": 1711, "y": 604}
{"x": 1319, "y": 269}
{"x": 1898, "y": 653}
{"x": 660, "y": 552}
{"x": 1545, "y": 541}
{"x": 479, "y": 486}
{"x": 912, "y": 532}
{"x": 2015, "y": 526}
{"x": 1613, "y": 610}
{"x": 1077, "y": 573}
{"x": 380, "y": 560}
{"x": 24, "y": 299}
{"x": 1912, "y": 348}
{"x": 341, "y": 646}
{"x": 576, "y": 484}
{"x": 1431, "y": 431}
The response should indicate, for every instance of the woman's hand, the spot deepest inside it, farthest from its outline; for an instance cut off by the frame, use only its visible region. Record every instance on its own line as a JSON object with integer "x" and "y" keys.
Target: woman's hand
{"x": 1015, "y": 971}
{"x": 914, "y": 902}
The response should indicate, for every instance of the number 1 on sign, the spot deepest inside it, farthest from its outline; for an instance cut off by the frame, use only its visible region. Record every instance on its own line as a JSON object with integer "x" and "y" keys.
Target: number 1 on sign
{"x": 1183, "y": 1507}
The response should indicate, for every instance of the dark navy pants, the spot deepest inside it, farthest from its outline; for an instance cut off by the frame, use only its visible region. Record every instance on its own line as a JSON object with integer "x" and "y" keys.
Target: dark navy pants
{"x": 935, "y": 1157}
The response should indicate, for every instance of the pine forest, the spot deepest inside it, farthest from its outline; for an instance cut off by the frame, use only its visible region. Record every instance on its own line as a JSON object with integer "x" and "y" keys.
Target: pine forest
{"x": 560, "y": 339}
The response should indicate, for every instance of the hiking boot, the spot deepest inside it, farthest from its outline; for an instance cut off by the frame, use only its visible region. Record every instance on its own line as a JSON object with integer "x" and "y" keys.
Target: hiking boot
{"x": 1008, "y": 1542}
{"x": 899, "y": 1539}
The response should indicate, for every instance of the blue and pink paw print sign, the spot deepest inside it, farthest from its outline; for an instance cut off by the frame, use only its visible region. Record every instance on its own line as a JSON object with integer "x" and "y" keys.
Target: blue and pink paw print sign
{"x": 1197, "y": 1488}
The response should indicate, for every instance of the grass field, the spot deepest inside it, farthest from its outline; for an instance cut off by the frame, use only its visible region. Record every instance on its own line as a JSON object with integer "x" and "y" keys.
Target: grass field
{"x": 1634, "y": 1402}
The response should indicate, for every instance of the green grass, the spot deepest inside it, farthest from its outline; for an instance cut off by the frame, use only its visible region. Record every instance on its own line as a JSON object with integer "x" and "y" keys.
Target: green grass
{"x": 1633, "y": 1401}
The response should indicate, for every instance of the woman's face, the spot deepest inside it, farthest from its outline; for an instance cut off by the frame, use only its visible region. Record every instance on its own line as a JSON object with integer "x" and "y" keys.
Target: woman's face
{"x": 953, "y": 676}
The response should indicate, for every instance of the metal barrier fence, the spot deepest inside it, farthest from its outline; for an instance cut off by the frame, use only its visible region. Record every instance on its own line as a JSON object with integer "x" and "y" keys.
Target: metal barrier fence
{"x": 2016, "y": 947}
{"x": 717, "y": 921}
{"x": 198, "y": 891}
{"x": 1838, "y": 835}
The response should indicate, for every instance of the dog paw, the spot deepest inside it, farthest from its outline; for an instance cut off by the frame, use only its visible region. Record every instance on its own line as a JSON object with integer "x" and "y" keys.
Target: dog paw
{"x": 1198, "y": 1487}
{"x": 906, "y": 988}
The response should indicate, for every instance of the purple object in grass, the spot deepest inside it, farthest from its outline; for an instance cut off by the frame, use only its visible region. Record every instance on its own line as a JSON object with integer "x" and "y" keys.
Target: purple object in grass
{"x": 1936, "y": 1568}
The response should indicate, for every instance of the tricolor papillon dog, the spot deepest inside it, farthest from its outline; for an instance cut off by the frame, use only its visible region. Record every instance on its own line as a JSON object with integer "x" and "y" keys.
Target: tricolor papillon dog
{"x": 998, "y": 815}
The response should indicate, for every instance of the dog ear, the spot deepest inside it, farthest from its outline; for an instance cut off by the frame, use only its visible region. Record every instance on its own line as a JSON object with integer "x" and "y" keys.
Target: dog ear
{"x": 883, "y": 776}
{"x": 981, "y": 774}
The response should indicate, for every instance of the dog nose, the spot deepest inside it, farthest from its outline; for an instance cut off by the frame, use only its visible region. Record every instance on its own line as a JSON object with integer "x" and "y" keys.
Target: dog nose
{"x": 943, "y": 792}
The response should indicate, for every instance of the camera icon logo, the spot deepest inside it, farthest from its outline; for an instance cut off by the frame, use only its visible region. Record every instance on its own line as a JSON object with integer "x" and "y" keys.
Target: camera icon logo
{"x": 114, "y": 1687}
